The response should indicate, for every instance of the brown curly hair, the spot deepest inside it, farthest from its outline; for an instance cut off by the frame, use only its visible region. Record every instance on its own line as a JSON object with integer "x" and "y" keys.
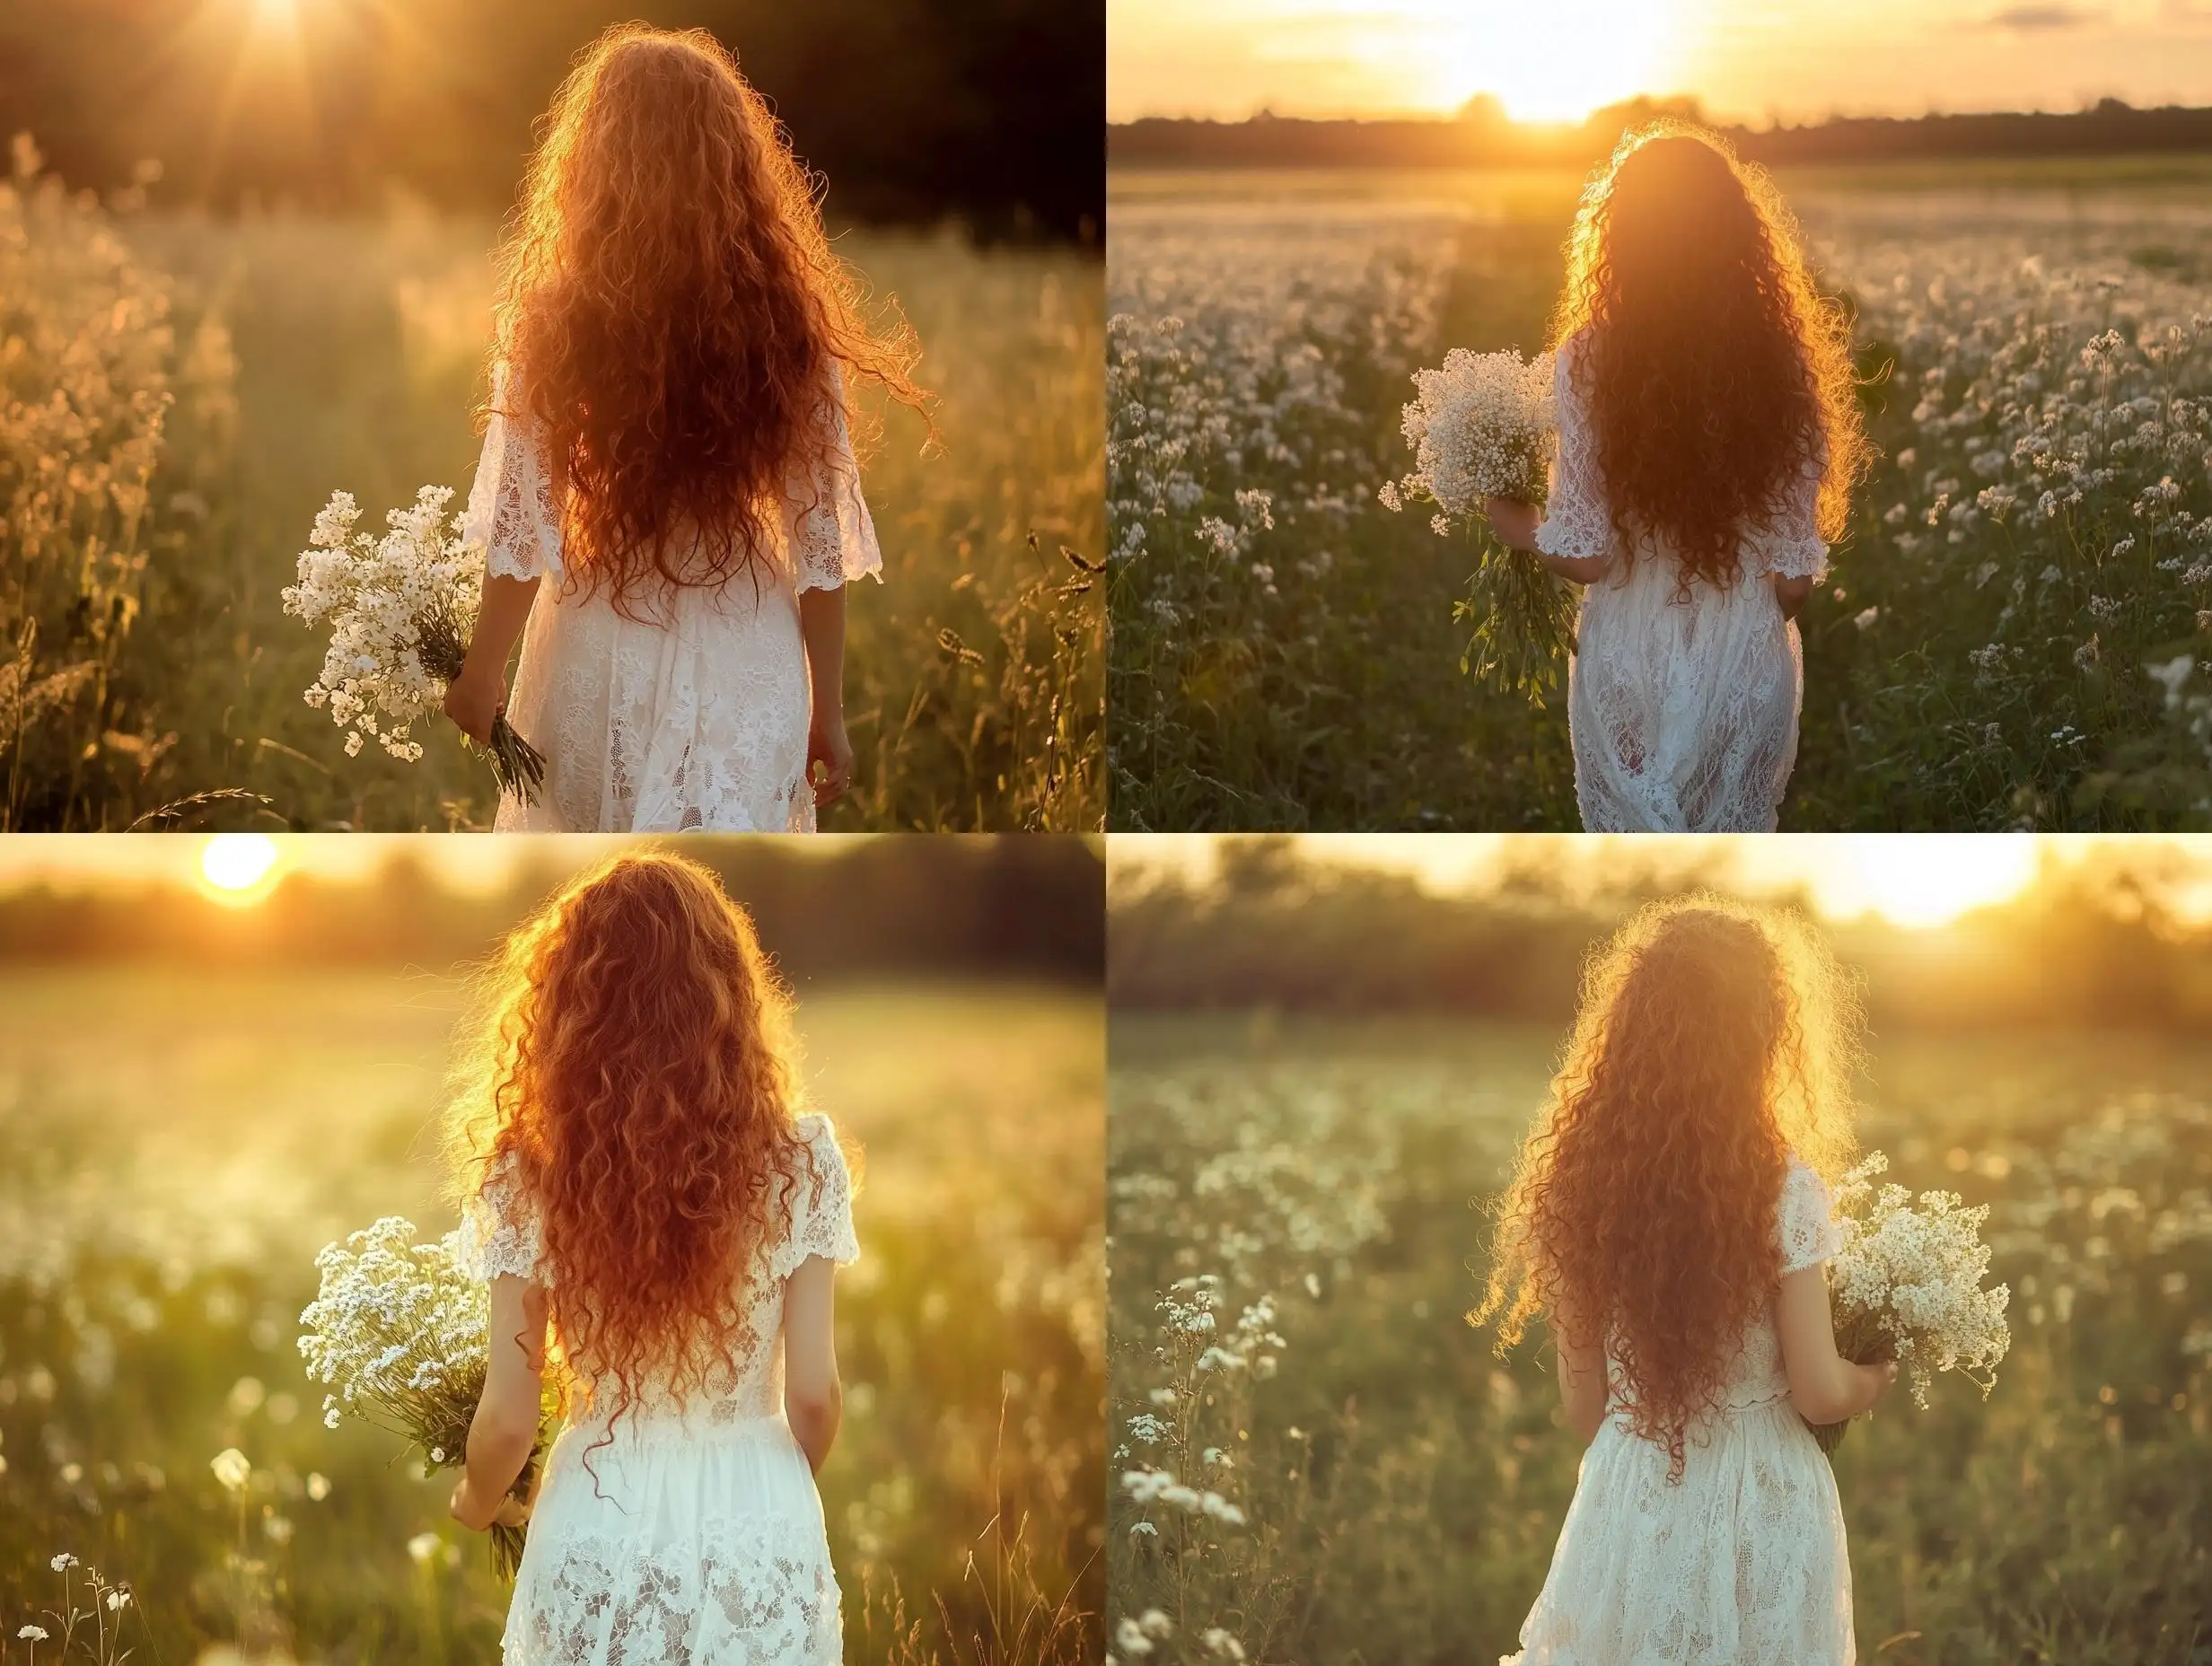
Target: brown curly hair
{"x": 1716, "y": 373}
{"x": 1713, "y": 1041}
{"x": 630, "y": 1072}
{"x": 671, "y": 309}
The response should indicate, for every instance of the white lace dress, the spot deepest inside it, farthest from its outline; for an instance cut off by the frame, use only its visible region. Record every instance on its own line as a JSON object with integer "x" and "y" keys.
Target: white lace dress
{"x": 693, "y": 715}
{"x": 1683, "y": 712}
{"x": 695, "y": 1538}
{"x": 1742, "y": 1561}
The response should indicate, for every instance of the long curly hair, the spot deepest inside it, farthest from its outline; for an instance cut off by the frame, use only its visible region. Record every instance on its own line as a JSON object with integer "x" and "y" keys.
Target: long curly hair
{"x": 630, "y": 1070}
{"x": 670, "y": 309}
{"x": 1713, "y": 1041}
{"x": 1716, "y": 373}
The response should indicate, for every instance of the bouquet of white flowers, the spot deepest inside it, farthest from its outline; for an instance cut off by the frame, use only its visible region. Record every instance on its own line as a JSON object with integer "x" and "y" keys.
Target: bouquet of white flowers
{"x": 1481, "y": 427}
{"x": 400, "y": 609}
{"x": 400, "y": 1332}
{"x": 1907, "y": 1287}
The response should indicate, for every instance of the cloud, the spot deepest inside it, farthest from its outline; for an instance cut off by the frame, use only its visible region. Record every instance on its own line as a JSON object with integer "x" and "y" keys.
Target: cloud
{"x": 2043, "y": 19}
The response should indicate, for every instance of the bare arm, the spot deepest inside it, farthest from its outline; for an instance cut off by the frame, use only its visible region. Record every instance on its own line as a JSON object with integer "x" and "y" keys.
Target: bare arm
{"x": 1793, "y": 594}
{"x": 473, "y": 698}
{"x": 814, "y": 1398}
{"x": 1823, "y": 1386}
{"x": 822, "y": 624}
{"x": 1515, "y": 524}
{"x": 1582, "y": 1389}
{"x": 506, "y": 1425}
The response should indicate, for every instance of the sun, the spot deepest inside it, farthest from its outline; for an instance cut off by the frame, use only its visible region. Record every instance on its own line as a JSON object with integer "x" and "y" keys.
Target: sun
{"x": 1922, "y": 880}
{"x": 239, "y": 867}
{"x": 1558, "y": 60}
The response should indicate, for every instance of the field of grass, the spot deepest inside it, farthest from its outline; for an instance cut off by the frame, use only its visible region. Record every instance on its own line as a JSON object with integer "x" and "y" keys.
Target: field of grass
{"x": 305, "y": 355}
{"x": 179, "y": 1147}
{"x": 1296, "y": 1223}
{"x": 2014, "y": 632}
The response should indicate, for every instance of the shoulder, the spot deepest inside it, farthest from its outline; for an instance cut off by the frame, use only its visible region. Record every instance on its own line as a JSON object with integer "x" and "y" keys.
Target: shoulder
{"x": 1568, "y": 358}
{"x": 824, "y": 1170}
{"x": 1800, "y": 1179}
{"x": 1804, "y": 1218}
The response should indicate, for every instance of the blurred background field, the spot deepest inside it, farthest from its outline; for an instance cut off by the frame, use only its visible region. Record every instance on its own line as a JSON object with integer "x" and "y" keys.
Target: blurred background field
{"x": 294, "y": 297}
{"x": 1982, "y": 657}
{"x": 195, "y": 1095}
{"x": 1323, "y": 1054}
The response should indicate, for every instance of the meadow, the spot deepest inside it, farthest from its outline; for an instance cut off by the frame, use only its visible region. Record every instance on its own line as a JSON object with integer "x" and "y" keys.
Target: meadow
{"x": 192, "y": 389}
{"x": 1318, "y": 1461}
{"x": 2013, "y": 634}
{"x": 182, "y": 1145}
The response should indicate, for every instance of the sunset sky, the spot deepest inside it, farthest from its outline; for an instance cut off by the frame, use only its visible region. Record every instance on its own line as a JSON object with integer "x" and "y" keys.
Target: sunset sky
{"x": 1911, "y": 879}
{"x": 245, "y": 866}
{"x": 1559, "y": 59}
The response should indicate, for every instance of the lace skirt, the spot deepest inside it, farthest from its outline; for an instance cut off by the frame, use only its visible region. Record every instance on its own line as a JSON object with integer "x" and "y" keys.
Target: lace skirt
{"x": 1740, "y": 1563}
{"x": 1683, "y": 714}
{"x": 677, "y": 1547}
{"x": 694, "y": 718}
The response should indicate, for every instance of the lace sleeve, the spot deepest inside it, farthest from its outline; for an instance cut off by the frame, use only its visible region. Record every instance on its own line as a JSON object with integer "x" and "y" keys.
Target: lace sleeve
{"x": 832, "y": 535}
{"x": 1575, "y": 521}
{"x": 510, "y": 508}
{"x": 1805, "y": 1221}
{"x": 822, "y": 1210}
{"x": 498, "y": 1231}
{"x": 1793, "y": 548}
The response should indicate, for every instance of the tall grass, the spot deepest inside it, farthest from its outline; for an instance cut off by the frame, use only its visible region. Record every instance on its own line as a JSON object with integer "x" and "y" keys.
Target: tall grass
{"x": 222, "y": 377}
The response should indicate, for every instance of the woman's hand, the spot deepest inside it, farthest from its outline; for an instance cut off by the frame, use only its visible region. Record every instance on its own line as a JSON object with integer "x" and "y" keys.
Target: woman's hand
{"x": 469, "y": 1509}
{"x": 474, "y": 699}
{"x": 828, "y": 747}
{"x": 1886, "y": 1379}
{"x": 1515, "y": 522}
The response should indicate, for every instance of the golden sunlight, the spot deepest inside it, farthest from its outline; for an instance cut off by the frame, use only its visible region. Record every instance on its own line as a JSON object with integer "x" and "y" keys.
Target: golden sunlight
{"x": 1930, "y": 879}
{"x": 239, "y": 867}
{"x": 1556, "y": 61}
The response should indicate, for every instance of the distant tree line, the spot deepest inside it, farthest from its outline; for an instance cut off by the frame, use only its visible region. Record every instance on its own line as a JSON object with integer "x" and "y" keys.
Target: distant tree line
{"x": 2105, "y": 943}
{"x": 1483, "y": 135}
{"x": 976, "y": 906}
{"x": 991, "y": 111}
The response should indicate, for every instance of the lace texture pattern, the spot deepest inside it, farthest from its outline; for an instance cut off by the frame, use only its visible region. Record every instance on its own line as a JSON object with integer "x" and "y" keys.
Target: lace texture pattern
{"x": 693, "y": 714}
{"x": 1740, "y": 1561}
{"x": 684, "y": 1535}
{"x": 1683, "y": 712}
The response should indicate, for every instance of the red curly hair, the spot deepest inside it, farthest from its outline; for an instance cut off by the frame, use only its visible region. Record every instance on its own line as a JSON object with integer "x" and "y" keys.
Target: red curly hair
{"x": 1714, "y": 1039}
{"x": 671, "y": 308}
{"x": 631, "y": 1073}
{"x": 1714, "y": 370}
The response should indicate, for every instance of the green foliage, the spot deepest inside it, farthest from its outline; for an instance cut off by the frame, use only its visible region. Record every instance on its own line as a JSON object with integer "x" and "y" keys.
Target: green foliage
{"x": 1404, "y": 1488}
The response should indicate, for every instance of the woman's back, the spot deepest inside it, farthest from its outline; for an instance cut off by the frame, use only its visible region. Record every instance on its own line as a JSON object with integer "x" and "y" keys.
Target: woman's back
{"x": 684, "y": 1528}
{"x": 1804, "y": 1233}
{"x": 1683, "y": 702}
{"x": 501, "y": 1233}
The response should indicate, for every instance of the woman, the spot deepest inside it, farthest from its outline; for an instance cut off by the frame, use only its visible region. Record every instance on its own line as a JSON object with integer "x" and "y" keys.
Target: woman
{"x": 660, "y": 1232}
{"x": 1670, "y": 1222}
{"x": 1710, "y": 437}
{"x": 668, "y": 499}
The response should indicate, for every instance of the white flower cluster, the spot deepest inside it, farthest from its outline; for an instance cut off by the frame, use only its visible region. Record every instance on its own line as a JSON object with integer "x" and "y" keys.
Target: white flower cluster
{"x": 399, "y": 1331}
{"x": 1910, "y": 1273}
{"x": 1146, "y": 1487}
{"x": 400, "y": 608}
{"x": 1480, "y": 427}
